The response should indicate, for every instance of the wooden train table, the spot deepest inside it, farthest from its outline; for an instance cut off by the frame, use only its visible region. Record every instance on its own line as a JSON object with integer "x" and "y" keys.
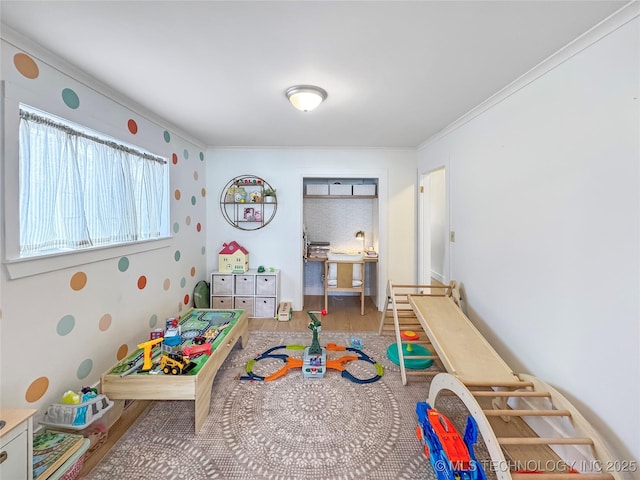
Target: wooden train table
{"x": 222, "y": 328}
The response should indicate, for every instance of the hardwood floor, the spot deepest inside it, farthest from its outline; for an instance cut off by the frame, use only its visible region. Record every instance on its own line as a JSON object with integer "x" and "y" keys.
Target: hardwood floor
{"x": 343, "y": 316}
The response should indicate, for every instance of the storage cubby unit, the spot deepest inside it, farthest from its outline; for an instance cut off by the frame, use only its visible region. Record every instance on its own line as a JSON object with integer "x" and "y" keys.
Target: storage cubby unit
{"x": 340, "y": 187}
{"x": 257, "y": 293}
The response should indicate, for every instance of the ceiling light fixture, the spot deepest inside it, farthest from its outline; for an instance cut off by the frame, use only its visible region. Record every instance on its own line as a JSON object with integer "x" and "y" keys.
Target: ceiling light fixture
{"x": 306, "y": 97}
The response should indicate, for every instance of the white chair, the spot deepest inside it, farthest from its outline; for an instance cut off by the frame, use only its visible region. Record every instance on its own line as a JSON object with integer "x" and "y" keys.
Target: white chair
{"x": 342, "y": 275}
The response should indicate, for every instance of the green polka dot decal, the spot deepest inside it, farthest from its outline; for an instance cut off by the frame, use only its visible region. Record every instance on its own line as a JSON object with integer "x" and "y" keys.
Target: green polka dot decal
{"x": 203, "y": 250}
{"x": 70, "y": 98}
{"x": 201, "y": 157}
{"x": 183, "y": 282}
{"x": 186, "y": 154}
{"x": 123, "y": 264}
{"x": 177, "y": 255}
{"x": 176, "y": 227}
{"x": 84, "y": 369}
{"x": 65, "y": 325}
{"x": 153, "y": 321}
{"x": 167, "y": 136}
{"x": 193, "y": 200}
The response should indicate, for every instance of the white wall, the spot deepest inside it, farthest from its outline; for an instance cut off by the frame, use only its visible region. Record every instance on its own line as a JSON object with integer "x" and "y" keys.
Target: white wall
{"x": 279, "y": 244}
{"x": 544, "y": 199}
{"x": 438, "y": 222}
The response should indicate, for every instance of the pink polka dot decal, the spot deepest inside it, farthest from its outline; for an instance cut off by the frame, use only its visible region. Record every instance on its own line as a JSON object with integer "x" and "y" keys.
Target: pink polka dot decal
{"x": 132, "y": 126}
{"x": 166, "y": 284}
{"x": 78, "y": 281}
{"x": 142, "y": 282}
{"x": 105, "y": 322}
{"x": 37, "y": 389}
{"x": 195, "y": 175}
{"x": 199, "y": 226}
{"x": 188, "y": 220}
{"x": 26, "y": 65}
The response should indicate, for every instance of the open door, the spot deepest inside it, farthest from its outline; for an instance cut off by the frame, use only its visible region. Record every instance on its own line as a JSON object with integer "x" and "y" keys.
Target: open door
{"x": 433, "y": 231}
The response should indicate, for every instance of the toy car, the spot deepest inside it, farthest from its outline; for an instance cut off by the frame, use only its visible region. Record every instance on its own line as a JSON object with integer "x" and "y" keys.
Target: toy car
{"x": 450, "y": 456}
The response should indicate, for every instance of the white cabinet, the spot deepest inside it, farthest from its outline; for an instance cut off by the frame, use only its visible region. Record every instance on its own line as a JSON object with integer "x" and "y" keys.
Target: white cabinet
{"x": 16, "y": 447}
{"x": 256, "y": 293}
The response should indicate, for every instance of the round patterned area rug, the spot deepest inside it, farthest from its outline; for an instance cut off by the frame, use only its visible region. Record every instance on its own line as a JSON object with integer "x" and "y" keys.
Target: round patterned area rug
{"x": 291, "y": 428}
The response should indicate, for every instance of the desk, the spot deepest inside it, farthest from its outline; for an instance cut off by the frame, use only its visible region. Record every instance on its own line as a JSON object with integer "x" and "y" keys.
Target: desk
{"x": 316, "y": 259}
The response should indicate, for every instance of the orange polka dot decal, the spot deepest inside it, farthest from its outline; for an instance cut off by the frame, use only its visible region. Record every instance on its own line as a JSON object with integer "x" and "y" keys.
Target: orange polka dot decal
{"x": 177, "y": 194}
{"x": 142, "y": 282}
{"x": 186, "y": 299}
{"x": 174, "y": 159}
{"x": 26, "y": 65}
{"x": 78, "y": 281}
{"x": 37, "y": 389}
{"x": 122, "y": 351}
{"x": 193, "y": 271}
{"x": 132, "y": 126}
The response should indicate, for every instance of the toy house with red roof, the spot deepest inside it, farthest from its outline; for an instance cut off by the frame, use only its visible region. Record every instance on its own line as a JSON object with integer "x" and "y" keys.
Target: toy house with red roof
{"x": 233, "y": 258}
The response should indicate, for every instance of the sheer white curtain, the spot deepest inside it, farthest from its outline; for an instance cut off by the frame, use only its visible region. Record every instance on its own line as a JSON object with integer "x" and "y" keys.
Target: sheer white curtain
{"x": 78, "y": 191}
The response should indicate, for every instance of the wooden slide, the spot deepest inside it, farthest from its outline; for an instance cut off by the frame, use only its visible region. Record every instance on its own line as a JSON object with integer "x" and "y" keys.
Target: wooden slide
{"x": 504, "y": 404}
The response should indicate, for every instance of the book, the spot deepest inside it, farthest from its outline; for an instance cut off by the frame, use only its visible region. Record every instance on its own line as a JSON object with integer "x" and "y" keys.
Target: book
{"x": 51, "y": 449}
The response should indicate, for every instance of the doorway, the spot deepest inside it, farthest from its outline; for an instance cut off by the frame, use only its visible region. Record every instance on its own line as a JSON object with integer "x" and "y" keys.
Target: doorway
{"x": 434, "y": 228}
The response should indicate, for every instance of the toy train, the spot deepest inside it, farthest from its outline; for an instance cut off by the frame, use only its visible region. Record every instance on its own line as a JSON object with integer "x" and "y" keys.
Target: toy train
{"x": 451, "y": 457}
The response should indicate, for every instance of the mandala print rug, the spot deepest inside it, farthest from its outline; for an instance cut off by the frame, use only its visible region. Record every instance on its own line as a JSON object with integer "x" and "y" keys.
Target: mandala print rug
{"x": 291, "y": 428}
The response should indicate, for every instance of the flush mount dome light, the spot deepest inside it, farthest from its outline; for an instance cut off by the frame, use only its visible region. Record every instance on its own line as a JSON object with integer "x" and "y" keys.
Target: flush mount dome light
{"x": 306, "y": 97}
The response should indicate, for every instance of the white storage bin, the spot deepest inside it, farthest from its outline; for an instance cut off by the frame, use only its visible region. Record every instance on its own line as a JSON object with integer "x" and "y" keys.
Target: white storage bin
{"x": 317, "y": 189}
{"x": 368, "y": 190}
{"x": 340, "y": 189}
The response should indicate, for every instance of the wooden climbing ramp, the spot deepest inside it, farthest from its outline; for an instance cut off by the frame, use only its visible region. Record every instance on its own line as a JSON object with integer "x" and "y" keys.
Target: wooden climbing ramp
{"x": 506, "y": 406}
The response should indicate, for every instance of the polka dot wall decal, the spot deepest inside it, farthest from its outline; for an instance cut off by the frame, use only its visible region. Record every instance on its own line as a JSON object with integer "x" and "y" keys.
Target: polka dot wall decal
{"x": 203, "y": 250}
{"x": 123, "y": 264}
{"x": 176, "y": 227}
{"x": 167, "y": 136}
{"x": 166, "y": 284}
{"x": 153, "y": 321}
{"x": 26, "y": 65}
{"x": 193, "y": 271}
{"x": 186, "y": 299}
{"x": 70, "y": 98}
{"x": 183, "y": 282}
{"x": 193, "y": 200}
{"x": 188, "y": 220}
{"x": 65, "y": 325}
{"x": 177, "y": 194}
{"x": 37, "y": 389}
{"x": 78, "y": 281}
{"x": 195, "y": 175}
{"x": 198, "y": 226}
{"x": 185, "y": 154}
{"x": 84, "y": 369}
{"x": 177, "y": 255}
{"x": 105, "y": 322}
{"x": 174, "y": 159}
{"x": 142, "y": 282}
{"x": 201, "y": 156}
{"x": 203, "y": 192}
{"x": 132, "y": 126}
{"x": 122, "y": 352}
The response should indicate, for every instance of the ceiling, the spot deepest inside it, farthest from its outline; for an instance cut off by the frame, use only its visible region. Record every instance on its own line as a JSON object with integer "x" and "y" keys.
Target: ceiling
{"x": 396, "y": 72}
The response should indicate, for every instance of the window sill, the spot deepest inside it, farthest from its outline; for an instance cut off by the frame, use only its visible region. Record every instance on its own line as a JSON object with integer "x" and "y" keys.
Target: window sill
{"x": 28, "y": 266}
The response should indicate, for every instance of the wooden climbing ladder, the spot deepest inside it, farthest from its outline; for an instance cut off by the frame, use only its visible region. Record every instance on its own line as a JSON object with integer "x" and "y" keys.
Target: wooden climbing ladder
{"x": 504, "y": 404}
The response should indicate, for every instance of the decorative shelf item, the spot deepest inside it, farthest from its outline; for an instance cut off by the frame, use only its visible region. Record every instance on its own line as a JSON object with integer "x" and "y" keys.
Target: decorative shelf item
{"x": 248, "y": 202}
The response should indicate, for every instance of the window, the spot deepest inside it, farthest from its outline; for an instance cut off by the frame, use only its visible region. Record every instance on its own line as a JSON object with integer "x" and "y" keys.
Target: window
{"x": 80, "y": 189}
